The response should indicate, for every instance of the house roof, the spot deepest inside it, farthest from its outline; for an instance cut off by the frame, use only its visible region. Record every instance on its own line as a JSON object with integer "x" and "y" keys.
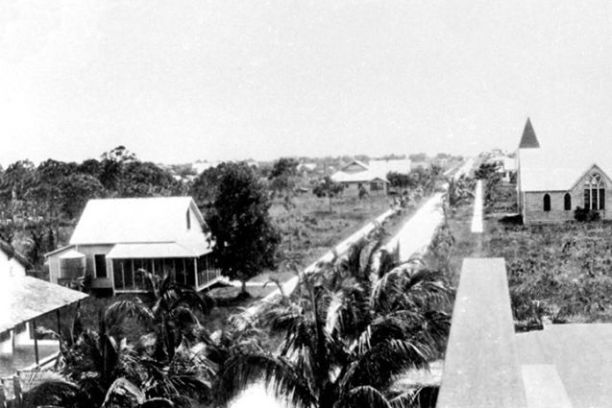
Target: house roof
{"x": 376, "y": 169}
{"x": 529, "y": 139}
{"x": 25, "y": 298}
{"x": 159, "y": 250}
{"x": 359, "y": 177}
{"x": 556, "y": 170}
{"x": 354, "y": 161}
{"x": 133, "y": 220}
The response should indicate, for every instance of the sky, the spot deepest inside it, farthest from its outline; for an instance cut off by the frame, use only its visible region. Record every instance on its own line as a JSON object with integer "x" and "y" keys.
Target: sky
{"x": 176, "y": 81}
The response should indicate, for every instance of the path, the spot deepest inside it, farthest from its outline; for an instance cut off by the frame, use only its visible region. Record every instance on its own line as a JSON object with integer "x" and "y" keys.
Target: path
{"x": 477, "y": 220}
{"x": 416, "y": 234}
{"x": 340, "y": 249}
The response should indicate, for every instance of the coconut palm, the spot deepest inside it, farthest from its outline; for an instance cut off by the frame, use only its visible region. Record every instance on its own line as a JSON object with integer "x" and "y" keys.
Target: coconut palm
{"x": 172, "y": 315}
{"x": 345, "y": 338}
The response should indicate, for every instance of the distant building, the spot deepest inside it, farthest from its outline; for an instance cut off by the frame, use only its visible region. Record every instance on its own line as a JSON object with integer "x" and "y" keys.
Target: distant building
{"x": 551, "y": 185}
{"x": 116, "y": 240}
{"x": 507, "y": 166}
{"x": 371, "y": 176}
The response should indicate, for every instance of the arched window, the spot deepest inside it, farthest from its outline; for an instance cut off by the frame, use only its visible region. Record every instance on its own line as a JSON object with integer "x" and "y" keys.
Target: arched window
{"x": 567, "y": 202}
{"x": 546, "y": 202}
{"x": 595, "y": 193}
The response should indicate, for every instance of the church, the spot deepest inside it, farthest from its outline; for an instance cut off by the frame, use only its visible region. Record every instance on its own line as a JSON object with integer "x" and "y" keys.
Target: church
{"x": 552, "y": 184}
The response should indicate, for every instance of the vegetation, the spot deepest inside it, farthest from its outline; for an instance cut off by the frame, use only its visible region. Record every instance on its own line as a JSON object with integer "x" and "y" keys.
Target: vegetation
{"x": 327, "y": 188}
{"x": 346, "y": 332}
{"x": 40, "y": 204}
{"x": 246, "y": 239}
{"x": 346, "y": 335}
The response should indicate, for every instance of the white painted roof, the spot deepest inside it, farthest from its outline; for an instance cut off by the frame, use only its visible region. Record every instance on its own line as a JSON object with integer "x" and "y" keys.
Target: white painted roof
{"x": 560, "y": 169}
{"x": 159, "y": 250}
{"x": 137, "y": 220}
{"x": 376, "y": 169}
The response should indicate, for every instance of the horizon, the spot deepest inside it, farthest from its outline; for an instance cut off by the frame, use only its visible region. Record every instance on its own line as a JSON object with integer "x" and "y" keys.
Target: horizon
{"x": 219, "y": 81}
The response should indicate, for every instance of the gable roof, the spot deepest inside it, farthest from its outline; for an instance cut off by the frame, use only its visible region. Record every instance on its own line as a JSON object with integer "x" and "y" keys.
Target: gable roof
{"x": 548, "y": 170}
{"x": 133, "y": 220}
{"x": 359, "y": 163}
{"x": 25, "y": 297}
{"x": 529, "y": 139}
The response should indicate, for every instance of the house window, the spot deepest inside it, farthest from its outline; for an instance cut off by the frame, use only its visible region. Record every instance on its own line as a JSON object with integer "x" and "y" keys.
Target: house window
{"x": 100, "y": 265}
{"x": 595, "y": 193}
{"x": 546, "y": 202}
{"x": 567, "y": 202}
{"x": 188, "y": 221}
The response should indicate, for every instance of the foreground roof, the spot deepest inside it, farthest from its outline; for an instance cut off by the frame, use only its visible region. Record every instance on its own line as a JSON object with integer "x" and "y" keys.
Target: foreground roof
{"x": 24, "y": 298}
{"x": 577, "y": 359}
{"x": 481, "y": 369}
{"x": 129, "y": 220}
{"x": 488, "y": 365}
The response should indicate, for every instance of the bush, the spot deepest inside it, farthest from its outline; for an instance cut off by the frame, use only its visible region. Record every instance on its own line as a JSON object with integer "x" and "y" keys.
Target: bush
{"x": 585, "y": 215}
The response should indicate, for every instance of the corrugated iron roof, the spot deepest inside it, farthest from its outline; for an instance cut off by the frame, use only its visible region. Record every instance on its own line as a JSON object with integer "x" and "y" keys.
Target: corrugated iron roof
{"x": 159, "y": 250}
{"x": 24, "y": 298}
{"x": 557, "y": 170}
{"x": 125, "y": 220}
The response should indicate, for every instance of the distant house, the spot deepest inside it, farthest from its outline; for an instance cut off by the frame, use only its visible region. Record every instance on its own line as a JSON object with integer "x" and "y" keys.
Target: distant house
{"x": 116, "y": 239}
{"x": 552, "y": 184}
{"x": 507, "y": 166}
{"x": 371, "y": 176}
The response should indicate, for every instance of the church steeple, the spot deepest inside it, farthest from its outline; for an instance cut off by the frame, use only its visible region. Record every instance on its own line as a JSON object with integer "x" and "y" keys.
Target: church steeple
{"x": 529, "y": 139}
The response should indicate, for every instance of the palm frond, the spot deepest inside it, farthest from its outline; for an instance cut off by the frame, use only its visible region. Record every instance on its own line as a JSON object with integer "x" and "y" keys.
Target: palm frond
{"x": 123, "y": 392}
{"x": 364, "y": 396}
{"x": 278, "y": 374}
{"x": 119, "y": 310}
{"x": 57, "y": 391}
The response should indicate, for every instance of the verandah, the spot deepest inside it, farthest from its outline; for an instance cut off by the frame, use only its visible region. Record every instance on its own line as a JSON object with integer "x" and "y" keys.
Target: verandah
{"x": 129, "y": 274}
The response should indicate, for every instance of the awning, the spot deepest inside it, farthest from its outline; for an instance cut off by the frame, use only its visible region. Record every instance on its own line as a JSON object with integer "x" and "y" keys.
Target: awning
{"x": 158, "y": 250}
{"x": 72, "y": 254}
{"x": 25, "y": 298}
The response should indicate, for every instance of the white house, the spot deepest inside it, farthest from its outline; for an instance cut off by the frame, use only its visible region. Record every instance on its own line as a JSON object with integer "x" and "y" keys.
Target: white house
{"x": 116, "y": 240}
{"x": 372, "y": 176}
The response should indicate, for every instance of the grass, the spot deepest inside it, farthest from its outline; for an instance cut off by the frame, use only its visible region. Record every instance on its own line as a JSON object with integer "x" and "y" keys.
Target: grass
{"x": 560, "y": 270}
{"x": 564, "y": 269}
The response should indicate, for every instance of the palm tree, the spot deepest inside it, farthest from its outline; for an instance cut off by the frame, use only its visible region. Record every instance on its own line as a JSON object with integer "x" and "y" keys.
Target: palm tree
{"x": 345, "y": 338}
{"x": 161, "y": 364}
{"x": 172, "y": 315}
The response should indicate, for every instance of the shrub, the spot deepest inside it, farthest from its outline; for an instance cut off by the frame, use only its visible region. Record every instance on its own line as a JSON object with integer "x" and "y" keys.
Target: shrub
{"x": 585, "y": 215}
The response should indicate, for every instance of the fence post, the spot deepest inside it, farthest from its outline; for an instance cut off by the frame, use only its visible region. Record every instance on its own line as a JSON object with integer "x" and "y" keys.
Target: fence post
{"x": 17, "y": 391}
{"x": 2, "y": 395}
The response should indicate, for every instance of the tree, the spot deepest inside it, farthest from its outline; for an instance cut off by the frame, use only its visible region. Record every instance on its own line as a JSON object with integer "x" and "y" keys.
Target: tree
{"x": 205, "y": 186}
{"x": 246, "y": 239}
{"x": 344, "y": 340}
{"x": 282, "y": 176}
{"x": 327, "y": 188}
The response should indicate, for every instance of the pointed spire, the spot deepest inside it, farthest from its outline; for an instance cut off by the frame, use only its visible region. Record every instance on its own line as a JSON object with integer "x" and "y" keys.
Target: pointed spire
{"x": 529, "y": 139}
